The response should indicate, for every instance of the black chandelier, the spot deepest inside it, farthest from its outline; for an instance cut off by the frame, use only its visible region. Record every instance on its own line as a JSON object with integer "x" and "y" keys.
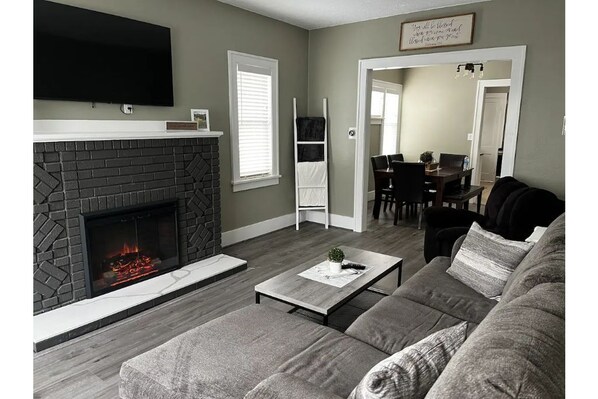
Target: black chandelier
{"x": 469, "y": 70}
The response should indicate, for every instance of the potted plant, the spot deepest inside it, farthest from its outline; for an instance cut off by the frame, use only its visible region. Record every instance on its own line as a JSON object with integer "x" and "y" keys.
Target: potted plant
{"x": 335, "y": 259}
{"x": 427, "y": 158}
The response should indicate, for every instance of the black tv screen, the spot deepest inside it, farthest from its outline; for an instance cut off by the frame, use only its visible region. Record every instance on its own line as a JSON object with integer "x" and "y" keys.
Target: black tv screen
{"x": 84, "y": 55}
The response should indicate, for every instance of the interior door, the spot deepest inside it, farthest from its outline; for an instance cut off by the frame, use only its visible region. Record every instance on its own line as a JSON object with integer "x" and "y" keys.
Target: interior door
{"x": 491, "y": 134}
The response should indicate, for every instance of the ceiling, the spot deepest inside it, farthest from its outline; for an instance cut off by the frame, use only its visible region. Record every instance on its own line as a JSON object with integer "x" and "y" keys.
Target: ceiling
{"x": 314, "y": 14}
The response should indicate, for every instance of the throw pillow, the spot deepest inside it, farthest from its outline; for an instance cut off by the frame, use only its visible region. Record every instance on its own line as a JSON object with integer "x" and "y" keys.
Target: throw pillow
{"x": 486, "y": 260}
{"x": 411, "y": 372}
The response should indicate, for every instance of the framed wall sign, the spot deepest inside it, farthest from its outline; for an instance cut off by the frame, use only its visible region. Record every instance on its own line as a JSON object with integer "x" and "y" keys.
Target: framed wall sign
{"x": 439, "y": 32}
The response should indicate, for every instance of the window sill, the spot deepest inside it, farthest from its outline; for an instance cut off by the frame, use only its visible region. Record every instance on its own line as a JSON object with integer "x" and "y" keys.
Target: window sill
{"x": 242, "y": 185}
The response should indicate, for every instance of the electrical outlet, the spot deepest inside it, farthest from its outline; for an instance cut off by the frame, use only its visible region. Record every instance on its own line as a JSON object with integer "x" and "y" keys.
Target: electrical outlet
{"x": 352, "y": 133}
{"x": 126, "y": 109}
{"x": 469, "y": 136}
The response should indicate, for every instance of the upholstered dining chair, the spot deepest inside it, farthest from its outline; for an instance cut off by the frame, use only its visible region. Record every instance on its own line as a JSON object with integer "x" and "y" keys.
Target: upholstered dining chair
{"x": 452, "y": 161}
{"x": 381, "y": 162}
{"x": 409, "y": 187}
{"x": 395, "y": 157}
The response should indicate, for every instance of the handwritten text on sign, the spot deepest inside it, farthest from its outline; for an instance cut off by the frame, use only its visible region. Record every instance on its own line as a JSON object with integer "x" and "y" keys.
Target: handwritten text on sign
{"x": 449, "y": 31}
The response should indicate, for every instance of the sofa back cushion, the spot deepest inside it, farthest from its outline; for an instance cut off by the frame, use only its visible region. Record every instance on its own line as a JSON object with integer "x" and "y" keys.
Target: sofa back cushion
{"x": 518, "y": 351}
{"x": 545, "y": 263}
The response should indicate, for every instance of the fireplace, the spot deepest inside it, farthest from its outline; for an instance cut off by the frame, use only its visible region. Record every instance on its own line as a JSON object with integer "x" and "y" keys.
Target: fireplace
{"x": 123, "y": 246}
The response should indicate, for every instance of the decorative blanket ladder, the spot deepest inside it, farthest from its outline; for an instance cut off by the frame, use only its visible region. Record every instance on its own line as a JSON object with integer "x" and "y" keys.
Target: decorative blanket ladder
{"x": 311, "y": 163}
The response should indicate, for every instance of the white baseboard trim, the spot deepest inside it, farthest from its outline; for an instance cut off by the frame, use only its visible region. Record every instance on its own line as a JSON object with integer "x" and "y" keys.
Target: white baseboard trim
{"x": 257, "y": 229}
{"x": 267, "y": 226}
{"x": 344, "y": 222}
{"x": 371, "y": 195}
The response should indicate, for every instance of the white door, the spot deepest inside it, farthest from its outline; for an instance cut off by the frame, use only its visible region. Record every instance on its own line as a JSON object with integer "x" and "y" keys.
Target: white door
{"x": 491, "y": 134}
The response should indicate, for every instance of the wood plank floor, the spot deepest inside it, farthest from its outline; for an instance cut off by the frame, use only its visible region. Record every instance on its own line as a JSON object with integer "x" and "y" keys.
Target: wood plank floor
{"x": 88, "y": 366}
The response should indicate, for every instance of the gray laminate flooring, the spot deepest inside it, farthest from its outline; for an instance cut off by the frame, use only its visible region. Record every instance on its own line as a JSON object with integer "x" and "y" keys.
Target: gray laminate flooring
{"x": 88, "y": 366}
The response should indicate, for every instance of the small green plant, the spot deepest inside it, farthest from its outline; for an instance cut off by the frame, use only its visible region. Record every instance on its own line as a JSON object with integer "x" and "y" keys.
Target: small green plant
{"x": 336, "y": 255}
{"x": 426, "y": 156}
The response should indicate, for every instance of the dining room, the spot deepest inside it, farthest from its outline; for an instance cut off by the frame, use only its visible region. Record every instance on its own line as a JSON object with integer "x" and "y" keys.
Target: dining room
{"x": 433, "y": 110}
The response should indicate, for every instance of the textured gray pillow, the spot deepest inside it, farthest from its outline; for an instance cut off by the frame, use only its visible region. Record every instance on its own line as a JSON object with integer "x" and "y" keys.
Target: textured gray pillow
{"x": 411, "y": 372}
{"x": 486, "y": 260}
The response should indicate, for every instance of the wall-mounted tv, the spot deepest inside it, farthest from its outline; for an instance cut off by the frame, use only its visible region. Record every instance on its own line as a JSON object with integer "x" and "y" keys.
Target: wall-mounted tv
{"x": 84, "y": 55}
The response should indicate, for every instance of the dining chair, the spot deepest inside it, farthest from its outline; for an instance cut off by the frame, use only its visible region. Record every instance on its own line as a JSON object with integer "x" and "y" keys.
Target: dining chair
{"x": 409, "y": 187}
{"x": 395, "y": 157}
{"x": 452, "y": 161}
{"x": 381, "y": 162}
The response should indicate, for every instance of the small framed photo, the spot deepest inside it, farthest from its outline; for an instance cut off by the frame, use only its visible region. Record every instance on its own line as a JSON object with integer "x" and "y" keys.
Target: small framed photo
{"x": 202, "y": 117}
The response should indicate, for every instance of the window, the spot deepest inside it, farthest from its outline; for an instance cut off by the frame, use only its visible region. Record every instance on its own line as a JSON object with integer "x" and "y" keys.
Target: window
{"x": 385, "y": 111}
{"x": 253, "y": 96}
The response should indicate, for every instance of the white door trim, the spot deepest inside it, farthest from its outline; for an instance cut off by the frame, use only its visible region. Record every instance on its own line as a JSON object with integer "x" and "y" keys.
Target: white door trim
{"x": 477, "y": 125}
{"x": 515, "y": 54}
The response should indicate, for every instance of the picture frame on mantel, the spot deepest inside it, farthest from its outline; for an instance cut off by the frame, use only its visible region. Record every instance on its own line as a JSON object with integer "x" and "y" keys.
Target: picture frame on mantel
{"x": 454, "y": 30}
{"x": 202, "y": 117}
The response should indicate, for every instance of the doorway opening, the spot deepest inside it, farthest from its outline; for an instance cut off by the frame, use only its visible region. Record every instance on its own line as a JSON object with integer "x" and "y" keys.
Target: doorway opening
{"x": 515, "y": 54}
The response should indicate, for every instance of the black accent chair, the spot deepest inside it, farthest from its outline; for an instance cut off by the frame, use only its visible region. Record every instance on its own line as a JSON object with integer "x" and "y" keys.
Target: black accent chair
{"x": 395, "y": 157}
{"x": 381, "y": 162}
{"x": 408, "y": 183}
{"x": 513, "y": 210}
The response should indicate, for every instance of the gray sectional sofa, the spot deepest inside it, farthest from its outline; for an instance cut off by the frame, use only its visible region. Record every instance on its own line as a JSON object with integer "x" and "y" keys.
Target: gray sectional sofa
{"x": 515, "y": 347}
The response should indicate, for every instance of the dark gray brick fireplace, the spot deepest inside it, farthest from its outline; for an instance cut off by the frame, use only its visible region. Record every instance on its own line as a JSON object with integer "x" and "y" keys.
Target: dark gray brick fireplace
{"x": 71, "y": 178}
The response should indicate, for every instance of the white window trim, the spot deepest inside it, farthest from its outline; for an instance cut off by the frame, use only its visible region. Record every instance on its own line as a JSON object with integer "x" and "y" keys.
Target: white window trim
{"x": 234, "y": 59}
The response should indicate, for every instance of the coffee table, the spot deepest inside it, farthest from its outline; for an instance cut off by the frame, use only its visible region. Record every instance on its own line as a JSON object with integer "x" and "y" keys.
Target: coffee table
{"x": 324, "y": 299}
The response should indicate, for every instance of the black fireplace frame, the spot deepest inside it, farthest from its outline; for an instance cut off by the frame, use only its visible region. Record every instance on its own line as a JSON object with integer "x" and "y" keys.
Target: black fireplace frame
{"x": 133, "y": 210}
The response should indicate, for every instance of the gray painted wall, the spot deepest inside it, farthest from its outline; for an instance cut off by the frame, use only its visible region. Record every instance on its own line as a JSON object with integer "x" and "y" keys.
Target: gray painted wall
{"x": 201, "y": 33}
{"x": 540, "y": 25}
{"x": 437, "y": 112}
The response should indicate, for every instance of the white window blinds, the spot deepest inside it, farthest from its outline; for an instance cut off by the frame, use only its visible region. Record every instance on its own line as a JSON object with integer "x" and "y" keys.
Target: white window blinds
{"x": 254, "y": 96}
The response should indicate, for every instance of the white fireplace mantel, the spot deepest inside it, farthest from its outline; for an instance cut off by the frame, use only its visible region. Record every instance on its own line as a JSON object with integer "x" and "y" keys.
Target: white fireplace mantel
{"x": 53, "y": 130}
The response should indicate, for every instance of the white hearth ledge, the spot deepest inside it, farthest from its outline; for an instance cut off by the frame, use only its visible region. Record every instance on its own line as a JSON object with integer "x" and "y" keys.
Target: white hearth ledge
{"x": 69, "y": 317}
{"x": 53, "y": 130}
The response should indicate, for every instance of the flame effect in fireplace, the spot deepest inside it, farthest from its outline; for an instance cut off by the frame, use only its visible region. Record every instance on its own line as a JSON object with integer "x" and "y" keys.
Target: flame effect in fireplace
{"x": 129, "y": 264}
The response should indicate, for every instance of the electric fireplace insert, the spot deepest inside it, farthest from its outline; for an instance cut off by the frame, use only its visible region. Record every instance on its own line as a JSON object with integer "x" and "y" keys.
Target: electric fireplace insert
{"x": 126, "y": 245}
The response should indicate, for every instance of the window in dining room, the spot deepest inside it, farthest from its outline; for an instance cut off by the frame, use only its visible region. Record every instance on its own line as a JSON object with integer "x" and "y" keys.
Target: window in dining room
{"x": 385, "y": 111}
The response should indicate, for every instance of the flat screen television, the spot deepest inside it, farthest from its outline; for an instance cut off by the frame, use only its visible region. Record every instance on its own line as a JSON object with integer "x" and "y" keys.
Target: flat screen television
{"x": 84, "y": 55}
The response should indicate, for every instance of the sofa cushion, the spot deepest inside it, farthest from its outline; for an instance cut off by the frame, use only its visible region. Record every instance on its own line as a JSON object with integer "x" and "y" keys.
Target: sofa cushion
{"x": 335, "y": 363}
{"x": 433, "y": 287}
{"x": 286, "y": 386}
{"x": 411, "y": 372}
{"x": 486, "y": 260}
{"x": 545, "y": 263}
{"x": 518, "y": 351}
{"x": 395, "y": 323}
{"x": 224, "y": 358}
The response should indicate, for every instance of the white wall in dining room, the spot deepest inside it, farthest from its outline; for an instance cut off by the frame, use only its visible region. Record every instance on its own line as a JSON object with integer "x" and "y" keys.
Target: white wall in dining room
{"x": 438, "y": 109}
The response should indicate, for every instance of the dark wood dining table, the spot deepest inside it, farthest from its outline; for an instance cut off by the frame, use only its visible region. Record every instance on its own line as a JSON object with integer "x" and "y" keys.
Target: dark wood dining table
{"x": 440, "y": 177}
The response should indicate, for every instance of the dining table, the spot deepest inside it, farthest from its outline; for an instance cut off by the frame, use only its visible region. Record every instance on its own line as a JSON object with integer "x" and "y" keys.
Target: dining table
{"x": 440, "y": 177}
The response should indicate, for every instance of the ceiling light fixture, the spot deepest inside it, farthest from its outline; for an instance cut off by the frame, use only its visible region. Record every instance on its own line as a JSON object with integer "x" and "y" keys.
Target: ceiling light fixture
{"x": 469, "y": 69}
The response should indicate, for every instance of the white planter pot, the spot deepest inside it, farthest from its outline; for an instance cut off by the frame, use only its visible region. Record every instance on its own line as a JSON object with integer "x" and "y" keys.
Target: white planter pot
{"x": 335, "y": 267}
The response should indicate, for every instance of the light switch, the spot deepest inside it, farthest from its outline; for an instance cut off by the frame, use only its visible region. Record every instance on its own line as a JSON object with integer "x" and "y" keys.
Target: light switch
{"x": 469, "y": 136}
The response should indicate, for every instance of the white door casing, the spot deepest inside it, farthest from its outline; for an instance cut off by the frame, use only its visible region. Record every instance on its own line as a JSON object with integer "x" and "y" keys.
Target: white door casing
{"x": 515, "y": 54}
{"x": 491, "y": 134}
